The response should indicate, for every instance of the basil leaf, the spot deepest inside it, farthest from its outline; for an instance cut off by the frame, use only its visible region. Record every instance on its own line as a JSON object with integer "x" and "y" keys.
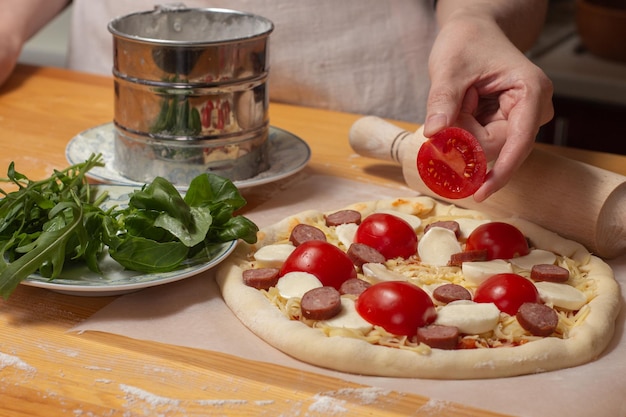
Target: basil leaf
{"x": 160, "y": 195}
{"x": 142, "y": 223}
{"x": 190, "y": 236}
{"x": 145, "y": 255}
{"x": 238, "y": 227}
{"x": 211, "y": 190}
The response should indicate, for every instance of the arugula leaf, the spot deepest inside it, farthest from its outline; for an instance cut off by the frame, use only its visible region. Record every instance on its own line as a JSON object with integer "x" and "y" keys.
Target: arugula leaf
{"x": 48, "y": 245}
{"x": 41, "y": 222}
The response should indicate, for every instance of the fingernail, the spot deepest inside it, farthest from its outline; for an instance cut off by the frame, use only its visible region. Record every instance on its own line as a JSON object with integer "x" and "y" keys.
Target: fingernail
{"x": 483, "y": 193}
{"x": 435, "y": 122}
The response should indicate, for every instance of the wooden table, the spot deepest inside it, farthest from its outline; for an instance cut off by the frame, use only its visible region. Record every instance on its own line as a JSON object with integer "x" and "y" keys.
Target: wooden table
{"x": 45, "y": 371}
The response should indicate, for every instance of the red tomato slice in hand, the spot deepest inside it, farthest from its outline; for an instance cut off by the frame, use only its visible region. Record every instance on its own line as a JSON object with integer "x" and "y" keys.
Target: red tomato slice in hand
{"x": 324, "y": 260}
{"x": 452, "y": 163}
{"x": 397, "y": 306}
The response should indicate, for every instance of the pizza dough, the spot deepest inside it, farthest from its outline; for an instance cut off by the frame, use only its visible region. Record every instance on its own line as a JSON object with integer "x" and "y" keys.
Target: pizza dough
{"x": 585, "y": 341}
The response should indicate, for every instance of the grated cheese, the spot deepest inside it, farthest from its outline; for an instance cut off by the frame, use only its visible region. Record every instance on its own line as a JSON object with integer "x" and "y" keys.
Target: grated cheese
{"x": 508, "y": 331}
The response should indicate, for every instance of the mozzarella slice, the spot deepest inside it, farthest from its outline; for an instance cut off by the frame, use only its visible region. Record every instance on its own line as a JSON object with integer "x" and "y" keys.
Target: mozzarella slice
{"x": 561, "y": 295}
{"x": 437, "y": 245}
{"x": 468, "y": 225}
{"x": 469, "y": 317}
{"x": 381, "y": 273}
{"x": 273, "y": 256}
{"x": 349, "y": 318}
{"x": 430, "y": 288}
{"x": 411, "y": 219}
{"x": 535, "y": 257}
{"x": 477, "y": 272}
{"x": 345, "y": 233}
{"x": 295, "y": 284}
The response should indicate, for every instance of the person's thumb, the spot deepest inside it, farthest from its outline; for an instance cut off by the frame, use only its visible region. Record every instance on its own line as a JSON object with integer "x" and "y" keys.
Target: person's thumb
{"x": 442, "y": 108}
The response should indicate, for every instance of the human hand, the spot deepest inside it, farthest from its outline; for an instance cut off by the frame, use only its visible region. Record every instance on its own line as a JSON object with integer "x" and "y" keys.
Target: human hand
{"x": 481, "y": 82}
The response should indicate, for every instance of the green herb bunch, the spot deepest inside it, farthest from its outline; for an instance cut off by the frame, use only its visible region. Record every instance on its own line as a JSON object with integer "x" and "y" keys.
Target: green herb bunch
{"x": 46, "y": 224}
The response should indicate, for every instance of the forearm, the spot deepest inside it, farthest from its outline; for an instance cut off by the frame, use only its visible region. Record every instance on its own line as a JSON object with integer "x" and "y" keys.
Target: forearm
{"x": 24, "y": 18}
{"x": 520, "y": 20}
{"x": 19, "y": 21}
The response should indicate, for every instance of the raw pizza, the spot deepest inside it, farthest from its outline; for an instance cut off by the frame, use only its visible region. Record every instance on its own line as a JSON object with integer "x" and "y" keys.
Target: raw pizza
{"x": 417, "y": 288}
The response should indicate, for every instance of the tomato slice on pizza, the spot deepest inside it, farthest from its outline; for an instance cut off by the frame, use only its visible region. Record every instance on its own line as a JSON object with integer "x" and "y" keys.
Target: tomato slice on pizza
{"x": 467, "y": 297}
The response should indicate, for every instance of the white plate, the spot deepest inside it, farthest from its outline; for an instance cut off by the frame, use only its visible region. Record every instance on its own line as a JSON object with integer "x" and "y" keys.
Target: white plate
{"x": 79, "y": 280}
{"x": 287, "y": 155}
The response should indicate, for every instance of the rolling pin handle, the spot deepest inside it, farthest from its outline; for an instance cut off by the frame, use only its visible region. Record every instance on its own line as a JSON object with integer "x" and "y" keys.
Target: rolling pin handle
{"x": 376, "y": 138}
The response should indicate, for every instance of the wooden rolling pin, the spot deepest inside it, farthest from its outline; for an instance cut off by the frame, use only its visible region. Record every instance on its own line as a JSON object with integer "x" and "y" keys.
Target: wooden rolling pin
{"x": 576, "y": 200}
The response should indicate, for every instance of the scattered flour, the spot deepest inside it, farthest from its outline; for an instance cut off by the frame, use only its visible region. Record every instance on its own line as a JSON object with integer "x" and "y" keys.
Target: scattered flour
{"x": 103, "y": 381}
{"x": 10, "y": 360}
{"x": 434, "y": 407}
{"x": 97, "y": 368}
{"x": 328, "y": 402}
{"x": 134, "y": 394}
{"x": 366, "y": 396}
{"x": 150, "y": 398}
{"x": 221, "y": 402}
{"x": 161, "y": 370}
{"x": 327, "y": 405}
{"x": 69, "y": 352}
{"x": 82, "y": 413}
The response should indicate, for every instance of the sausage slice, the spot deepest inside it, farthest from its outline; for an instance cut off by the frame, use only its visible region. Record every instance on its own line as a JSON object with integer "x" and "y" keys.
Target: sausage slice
{"x": 448, "y": 293}
{"x": 549, "y": 272}
{"x": 538, "y": 319}
{"x": 261, "y": 278}
{"x": 305, "y": 232}
{"x": 446, "y": 224}
{"x": 438, "y": 336}
{"x": 320, "y": 303}
{"x": 354, "y": 286}
{"x": 457, "y": 259}
{"x": 360, "y": 253}
{"x": 343, "y": 217}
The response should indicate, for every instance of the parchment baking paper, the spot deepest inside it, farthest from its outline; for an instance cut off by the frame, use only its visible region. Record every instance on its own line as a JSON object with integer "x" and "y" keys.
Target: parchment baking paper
{"x": 192, "y": 313}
